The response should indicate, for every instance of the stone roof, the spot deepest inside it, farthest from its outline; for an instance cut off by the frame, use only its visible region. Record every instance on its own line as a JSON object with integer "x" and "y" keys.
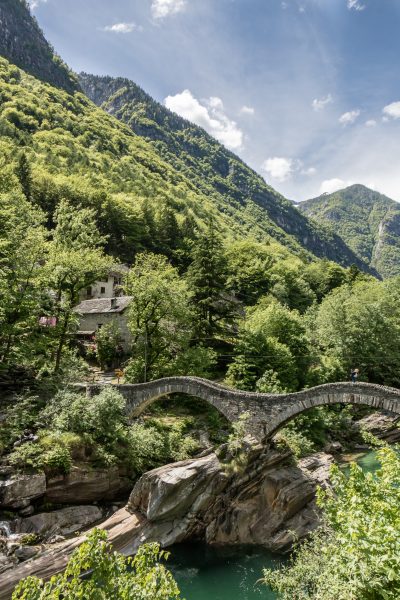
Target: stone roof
{"x": 103, "y": 305}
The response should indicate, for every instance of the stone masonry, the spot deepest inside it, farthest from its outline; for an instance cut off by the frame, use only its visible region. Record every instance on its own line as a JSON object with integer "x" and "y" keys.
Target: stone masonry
{"x": 267, "y": 412}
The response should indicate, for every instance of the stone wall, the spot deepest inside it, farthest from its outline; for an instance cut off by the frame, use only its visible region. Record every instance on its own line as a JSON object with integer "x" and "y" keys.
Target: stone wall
{"x": 91, "y": 322}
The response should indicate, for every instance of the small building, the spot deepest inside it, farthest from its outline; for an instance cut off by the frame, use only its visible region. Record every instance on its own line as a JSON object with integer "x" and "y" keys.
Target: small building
{"x": 109, "y": 287}
{"x": 95, "y": 313}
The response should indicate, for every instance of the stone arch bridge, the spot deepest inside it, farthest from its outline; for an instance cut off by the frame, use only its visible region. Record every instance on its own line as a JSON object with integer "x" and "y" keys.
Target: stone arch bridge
{"x": 267, "y": 412}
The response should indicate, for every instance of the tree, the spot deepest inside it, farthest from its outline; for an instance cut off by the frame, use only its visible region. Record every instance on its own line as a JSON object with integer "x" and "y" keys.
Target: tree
{"x": 22, "y": 255}
{"x": 111, "y": 575}
{"x": 76, "y": 260}
{"x": 160, "y": 316}
{"x": 24, "y": 175}
{"x": 359, "y": 326}
{"x": 324, "y": 276}
{"x": 355, "y": 553}
{"x": 249, "y": 265}
{"x": 206, "y": 277}
{"x": 258, "y": 357}
{"x": 107, "y": 339}
{"x": 289, "y": 284}
{"x": 272, "y": 347}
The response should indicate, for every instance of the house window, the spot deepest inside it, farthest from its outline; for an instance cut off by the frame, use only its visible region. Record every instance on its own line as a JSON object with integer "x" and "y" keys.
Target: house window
{"x": 102, "y": 290}
{"x": 88, "y": 291}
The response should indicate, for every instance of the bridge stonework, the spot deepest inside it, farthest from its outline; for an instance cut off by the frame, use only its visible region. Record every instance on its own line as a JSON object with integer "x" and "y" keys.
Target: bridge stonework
{"x": 267, "y": 412}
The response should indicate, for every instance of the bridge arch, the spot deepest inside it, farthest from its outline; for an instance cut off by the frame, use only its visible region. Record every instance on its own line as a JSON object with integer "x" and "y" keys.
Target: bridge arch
{"x": 267, "y": 412}
{"x": 370, "y": 395}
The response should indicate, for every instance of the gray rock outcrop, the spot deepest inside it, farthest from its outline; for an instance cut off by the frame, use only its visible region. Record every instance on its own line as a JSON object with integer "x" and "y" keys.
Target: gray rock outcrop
{"x": 61, "y": 522}
{"x": 17, "y": 491}
{"x": 383, "y": 425}
{"x": 269, "y": 502}
{"x": 84, "y": 485}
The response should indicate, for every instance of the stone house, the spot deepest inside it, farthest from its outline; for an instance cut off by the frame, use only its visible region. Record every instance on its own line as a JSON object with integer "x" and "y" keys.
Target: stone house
{"x": 95, "y": 313}
{"x": 109, "y": 287}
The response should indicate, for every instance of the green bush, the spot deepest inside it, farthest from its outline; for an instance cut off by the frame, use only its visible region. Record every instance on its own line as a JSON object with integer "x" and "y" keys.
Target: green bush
{"x": 296, "y": 441}
{"x": 52, "y": 453}
{"x": 355, "y": 553}
{"x": 21, "y": 415}
{"x": 112, "y": 575}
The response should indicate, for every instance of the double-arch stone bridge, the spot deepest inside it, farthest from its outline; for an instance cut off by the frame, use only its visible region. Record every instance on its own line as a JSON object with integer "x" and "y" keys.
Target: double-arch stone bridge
{"x": 267, "y": 412}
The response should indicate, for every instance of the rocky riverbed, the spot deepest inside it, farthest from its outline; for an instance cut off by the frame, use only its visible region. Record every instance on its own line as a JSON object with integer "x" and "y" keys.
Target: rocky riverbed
{"x": 269, "y": 501}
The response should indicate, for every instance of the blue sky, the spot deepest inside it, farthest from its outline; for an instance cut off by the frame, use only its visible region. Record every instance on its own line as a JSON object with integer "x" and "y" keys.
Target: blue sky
{"x": 305, "y": 91}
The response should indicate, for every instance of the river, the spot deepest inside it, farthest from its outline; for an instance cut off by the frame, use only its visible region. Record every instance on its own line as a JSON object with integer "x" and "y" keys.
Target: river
{"x": 208, "y": 573}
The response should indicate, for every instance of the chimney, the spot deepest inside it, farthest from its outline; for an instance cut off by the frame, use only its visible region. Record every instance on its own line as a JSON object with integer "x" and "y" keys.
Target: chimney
{"x": 113, "y": 302}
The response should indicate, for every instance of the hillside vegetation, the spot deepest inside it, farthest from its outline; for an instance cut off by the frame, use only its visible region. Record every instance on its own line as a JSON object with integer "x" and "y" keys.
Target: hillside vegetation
{"x": 367, "y": 221}
{"x": 214, "y": 171}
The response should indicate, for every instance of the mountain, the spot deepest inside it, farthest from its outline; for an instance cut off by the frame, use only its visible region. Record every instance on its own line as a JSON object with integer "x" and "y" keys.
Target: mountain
{"x": 150, "y": 175}
{"x": 367, "y": 221}
{"x": 215, "y": 171}
{"x": 22, "y": 42}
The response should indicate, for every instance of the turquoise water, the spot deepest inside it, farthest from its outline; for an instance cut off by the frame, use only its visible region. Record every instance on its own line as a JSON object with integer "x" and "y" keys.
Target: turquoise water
{"x": 369, "y": 462}
{"x": 207, "y": 573}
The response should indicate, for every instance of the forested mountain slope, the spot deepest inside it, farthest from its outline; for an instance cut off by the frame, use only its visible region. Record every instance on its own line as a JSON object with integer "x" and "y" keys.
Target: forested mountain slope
{"x": 367, "y": 221}
{"x": 23, "y": 44}
{"x": 213, "y": 170}
{"x": 152, "y": 180}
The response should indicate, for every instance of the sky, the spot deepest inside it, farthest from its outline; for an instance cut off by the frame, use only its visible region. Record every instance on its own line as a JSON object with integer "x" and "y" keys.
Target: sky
{"x": 307, "y": 92}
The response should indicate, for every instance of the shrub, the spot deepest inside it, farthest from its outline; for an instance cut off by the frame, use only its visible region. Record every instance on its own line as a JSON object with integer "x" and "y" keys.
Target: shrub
{"x": 296, "y": 441}
{"x": 112, "y": 575}
{"x": 355, "y": 553}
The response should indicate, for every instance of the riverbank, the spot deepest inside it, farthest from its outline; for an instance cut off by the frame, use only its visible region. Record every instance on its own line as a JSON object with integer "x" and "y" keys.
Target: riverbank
{"x": 205, "y": 572}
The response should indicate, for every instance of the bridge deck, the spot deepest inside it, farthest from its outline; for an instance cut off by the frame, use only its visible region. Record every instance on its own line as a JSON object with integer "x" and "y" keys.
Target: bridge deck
{"x": 267, "y": 412}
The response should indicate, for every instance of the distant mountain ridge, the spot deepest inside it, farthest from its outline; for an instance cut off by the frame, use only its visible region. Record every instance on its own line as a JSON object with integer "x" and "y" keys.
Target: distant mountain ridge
{"x": 22, "y": 43}
{"x": 191, "y": 150}
{"x": 368, "y": 222}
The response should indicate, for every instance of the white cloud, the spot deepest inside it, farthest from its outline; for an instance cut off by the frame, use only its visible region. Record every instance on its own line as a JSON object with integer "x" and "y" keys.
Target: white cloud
{"x": 164, "y": 8}
{"x": 371, "y": 123}
{"x": 247, "y": 110}
{"x": 309, "y": 172}
{"x": 278, "y": 168}
{"x": 122, "y": 28}
{"x": 35, "y": 3}
{"x": 392, "y": 110}
{"x": 319, "y": 104}
{"x": 355, "y": 5}
{"x": 210, "y": 115}
{"x": 349, "y": 117}
{"x": 333, "y": 185}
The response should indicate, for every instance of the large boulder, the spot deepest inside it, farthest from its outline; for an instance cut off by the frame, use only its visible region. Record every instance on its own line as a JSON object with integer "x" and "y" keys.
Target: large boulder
{"x": 171, "y": 491}
{"x": 273, "y": 507}
{"x": 84, "y": 485}
{"x": 382, "y": 425}
{"x": 19, "y": 490}
{"x": 61, "y": 522}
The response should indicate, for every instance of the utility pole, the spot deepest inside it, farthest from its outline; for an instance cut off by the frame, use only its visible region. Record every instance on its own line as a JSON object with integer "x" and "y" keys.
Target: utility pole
{"x": 145, "y": 356}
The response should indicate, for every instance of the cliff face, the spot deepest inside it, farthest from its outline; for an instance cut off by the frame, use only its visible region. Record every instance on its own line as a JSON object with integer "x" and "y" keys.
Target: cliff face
{"x": 214, "y": 169}
{"x": 367, "y": 221}
{"x": 22, "y": 42}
